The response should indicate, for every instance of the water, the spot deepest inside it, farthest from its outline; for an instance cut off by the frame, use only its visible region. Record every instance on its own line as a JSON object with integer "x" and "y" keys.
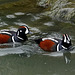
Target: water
{"x": 28, "y": 58}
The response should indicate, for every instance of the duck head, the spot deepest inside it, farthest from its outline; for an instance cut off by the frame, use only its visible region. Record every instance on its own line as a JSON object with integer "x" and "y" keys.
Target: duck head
{"x": 66, "y": 41}
{"x": 22, "y": 32}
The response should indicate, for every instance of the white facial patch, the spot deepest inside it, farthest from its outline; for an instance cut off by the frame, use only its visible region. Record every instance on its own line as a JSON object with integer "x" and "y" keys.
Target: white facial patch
{"x": 26, "y": 32}
{"x": 13, "y": 39}
{"x": 18, "y": 33}
{"x": 58, "y": 47}
{"x": 20, "y": 30}
{"x": 65, "y": 40}
{"x": 68, "y": 38}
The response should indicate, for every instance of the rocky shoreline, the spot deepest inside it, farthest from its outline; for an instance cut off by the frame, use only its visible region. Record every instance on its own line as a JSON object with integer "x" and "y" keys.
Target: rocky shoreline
{"x": 61, "y": 10}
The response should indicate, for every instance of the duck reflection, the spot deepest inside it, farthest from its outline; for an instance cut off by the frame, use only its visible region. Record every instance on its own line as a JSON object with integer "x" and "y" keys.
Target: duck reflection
{"x": 67, "y": 57}
{"x": 67, "y": 54}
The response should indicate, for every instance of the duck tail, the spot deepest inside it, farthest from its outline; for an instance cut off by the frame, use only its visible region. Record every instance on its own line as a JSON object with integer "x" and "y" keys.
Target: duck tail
{"x": 38, "y": 40}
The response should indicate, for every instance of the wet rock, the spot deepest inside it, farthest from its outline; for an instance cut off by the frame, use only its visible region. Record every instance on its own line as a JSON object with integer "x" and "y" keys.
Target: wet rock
{"x": 62, "y": 10}
{"x": 64, "y": 14}
{"x": 43, "y": 3}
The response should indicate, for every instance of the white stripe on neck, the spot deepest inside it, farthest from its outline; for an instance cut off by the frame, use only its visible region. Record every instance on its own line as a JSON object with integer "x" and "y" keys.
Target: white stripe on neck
{"x": 58, "y": 47}
{"x": 64, "y": 47}
{"x": 13, "y": 39}
{"x": 20, "y": 38}
{"x": 26, "y": 32}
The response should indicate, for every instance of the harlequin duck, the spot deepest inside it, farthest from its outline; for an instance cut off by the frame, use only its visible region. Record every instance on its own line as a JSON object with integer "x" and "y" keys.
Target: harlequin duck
{"x": 54, "y": 44}
{"x": 12, "y": 36}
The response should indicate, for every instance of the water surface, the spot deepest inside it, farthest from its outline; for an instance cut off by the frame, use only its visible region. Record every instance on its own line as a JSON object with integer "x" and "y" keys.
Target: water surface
{"x": 28, "y": 58}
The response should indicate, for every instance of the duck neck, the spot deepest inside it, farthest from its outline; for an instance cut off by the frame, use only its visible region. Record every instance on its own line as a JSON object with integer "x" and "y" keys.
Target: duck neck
{"x": 20, "y": 38}
{"x": 60, "y": 46}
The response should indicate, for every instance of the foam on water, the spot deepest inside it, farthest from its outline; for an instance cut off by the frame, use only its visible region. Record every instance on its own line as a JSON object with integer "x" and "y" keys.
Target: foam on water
{"x": 3, "y": 24}
{"x": 49, "y": 24}
{"x": 19, "y": 13}
{"x": 20, "y": 23}
{"x": 35, "y": 29}
{"x": 54, "y": 54}
{"x": 10, "y": 48}
{"x": 10, "y": 16}
{"x": 10, "y": 51}
{"x": 28, "y": 49}
{"x": 11, "y": 28}
{"x": 35, "y": 18}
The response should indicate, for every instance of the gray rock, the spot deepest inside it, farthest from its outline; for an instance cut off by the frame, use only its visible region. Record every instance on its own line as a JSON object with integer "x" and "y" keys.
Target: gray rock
{"x": 60, "y": 11}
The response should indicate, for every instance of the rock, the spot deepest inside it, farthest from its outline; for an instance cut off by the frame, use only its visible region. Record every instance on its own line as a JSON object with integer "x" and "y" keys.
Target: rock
{"x": 64, "y": 14}
{"x": 61, "y": 10}
{"x": 43, "y": 3}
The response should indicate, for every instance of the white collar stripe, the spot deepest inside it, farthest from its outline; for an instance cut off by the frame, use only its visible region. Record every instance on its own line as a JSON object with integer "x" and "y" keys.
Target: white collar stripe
{"x": 13, "y": 39}
{"x": 68, "y": 37}
{"x": 65, "y": 38}
{"x": 20, "y": 38}
{"x": 58, "y": 47}
{"x": 64, "y": 47}
{"x": 26, "y": 30}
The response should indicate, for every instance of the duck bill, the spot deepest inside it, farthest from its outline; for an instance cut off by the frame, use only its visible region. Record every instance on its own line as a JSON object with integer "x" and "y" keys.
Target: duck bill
{"x": 30, "y": 32}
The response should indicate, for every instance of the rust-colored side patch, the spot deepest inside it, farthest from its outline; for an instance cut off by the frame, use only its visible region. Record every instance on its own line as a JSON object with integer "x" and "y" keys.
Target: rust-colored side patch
{"x": 46, "y": 45}
{"x": 4, "y": 38}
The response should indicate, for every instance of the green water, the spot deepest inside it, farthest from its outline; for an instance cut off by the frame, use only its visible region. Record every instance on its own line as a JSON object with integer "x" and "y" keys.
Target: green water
{"x": 35, "y": 65}
{"x": 29, "y": 59}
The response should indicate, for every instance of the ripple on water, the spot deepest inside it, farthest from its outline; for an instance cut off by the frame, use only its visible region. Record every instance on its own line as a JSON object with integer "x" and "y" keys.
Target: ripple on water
{"x": 3, "y": 24}
{"x": 10, "y": 16}
{"x": 14, "y": 15}
{"x": 28, "y": 49}
{"x": 19, "y": 13}
{"x": 11, "y": 28}
{"x": 20, "y": 23}
{"x": 55, "y": 35}
{"x": 6, "y": 49}
{"x": 49, "y": 23}
{"x": 34, "y": 17}
{"x": 36, "y": 30}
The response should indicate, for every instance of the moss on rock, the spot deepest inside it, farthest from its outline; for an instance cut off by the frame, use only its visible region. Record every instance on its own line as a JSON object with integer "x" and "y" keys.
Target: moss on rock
{"x": 20, "y": 6}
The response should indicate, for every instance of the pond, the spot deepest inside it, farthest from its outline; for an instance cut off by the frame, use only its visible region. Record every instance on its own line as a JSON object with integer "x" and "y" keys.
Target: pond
{"x": 28, "y": 58}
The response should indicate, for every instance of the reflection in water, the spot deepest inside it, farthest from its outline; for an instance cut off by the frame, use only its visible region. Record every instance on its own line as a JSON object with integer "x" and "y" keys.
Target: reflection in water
{"x": 67, "y": 54}
{"x": 10, "y": 45}
{"x": 67, "y": 57}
